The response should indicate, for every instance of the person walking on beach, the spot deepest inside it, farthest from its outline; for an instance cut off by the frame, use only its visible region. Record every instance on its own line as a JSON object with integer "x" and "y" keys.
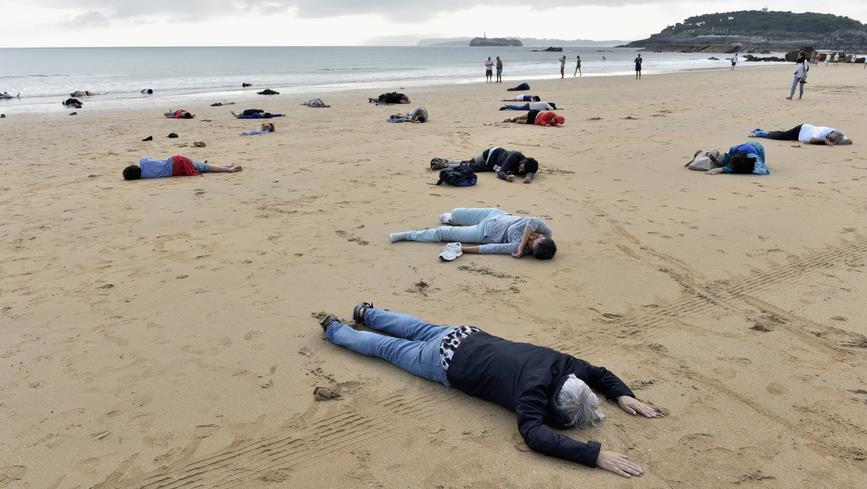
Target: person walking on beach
{"x": 800, "y": 78}
{"x": 638, "y": 62}
{"x": 491, "y": 230}
{"x": 499, "y": 70}
{"x": 578, "y": 67}
{"x": 489, "y": 72}
{"x": 547, "y": 389}
{"x": 734, "y": 61}
{"x": 562, "y": 66}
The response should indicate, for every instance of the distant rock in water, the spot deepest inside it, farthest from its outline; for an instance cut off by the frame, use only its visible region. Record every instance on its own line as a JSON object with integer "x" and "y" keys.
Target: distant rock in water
{"x": 750, "y": 57}
{"x": 550, "y": 49}
{"x": 494, "y": 41}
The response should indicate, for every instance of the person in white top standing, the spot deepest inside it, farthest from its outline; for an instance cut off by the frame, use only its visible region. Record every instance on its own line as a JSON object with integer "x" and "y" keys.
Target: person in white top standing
{"x": 489, "y": 69}
{"x": 734, "y": 61}
{"x": 801, "y": 69}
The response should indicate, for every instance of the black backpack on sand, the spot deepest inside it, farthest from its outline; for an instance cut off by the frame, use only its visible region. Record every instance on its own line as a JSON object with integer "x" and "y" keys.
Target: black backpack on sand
{"x": 459, "y": 176}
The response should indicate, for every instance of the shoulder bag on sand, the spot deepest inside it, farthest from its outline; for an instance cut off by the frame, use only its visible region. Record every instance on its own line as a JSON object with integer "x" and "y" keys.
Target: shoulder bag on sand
{"x": 705, "y": 160}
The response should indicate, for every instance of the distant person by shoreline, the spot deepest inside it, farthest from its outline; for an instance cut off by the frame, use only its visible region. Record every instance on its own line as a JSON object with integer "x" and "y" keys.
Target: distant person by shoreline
{"x": 489, "y": 70}
{"x": 578, "y": 66}
{"x": 800, "y": 78}
{"x": 638, "y": 62}
{"x": 499, "y": 70}
{"x": 562, "y": 66}
{"x": 734, "y": 61}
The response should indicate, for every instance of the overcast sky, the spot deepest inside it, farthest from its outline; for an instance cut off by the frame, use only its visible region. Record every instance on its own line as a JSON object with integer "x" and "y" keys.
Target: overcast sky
{"x": 351, "y": 22}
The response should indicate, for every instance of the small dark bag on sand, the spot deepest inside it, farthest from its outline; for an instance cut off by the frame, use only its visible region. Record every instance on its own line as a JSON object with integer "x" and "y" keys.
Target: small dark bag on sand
{"x": 459, "y": 176}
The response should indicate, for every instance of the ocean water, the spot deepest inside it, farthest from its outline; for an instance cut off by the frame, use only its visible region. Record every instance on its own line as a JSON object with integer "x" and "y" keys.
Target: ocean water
{"x": 45, "y": 76}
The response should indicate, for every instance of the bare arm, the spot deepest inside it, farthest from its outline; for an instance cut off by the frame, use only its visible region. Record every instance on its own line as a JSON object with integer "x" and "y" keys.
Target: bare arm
{"x": 473, "y": 249}
{"x": 524, "y": 239}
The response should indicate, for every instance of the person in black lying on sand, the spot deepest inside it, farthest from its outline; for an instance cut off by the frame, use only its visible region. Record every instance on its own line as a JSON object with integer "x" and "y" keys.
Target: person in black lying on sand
{"x": 548, "y": 390}
{"x": 506, "y": 163}
{"x": 72, "y": 102}
{"x": 389, "y": 98}
{"x": 268, "y": 91}
{"x": 255, "y": 114}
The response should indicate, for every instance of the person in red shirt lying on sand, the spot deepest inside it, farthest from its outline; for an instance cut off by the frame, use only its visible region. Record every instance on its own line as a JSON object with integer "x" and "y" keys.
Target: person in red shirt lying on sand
{"x": 539, "y": 118}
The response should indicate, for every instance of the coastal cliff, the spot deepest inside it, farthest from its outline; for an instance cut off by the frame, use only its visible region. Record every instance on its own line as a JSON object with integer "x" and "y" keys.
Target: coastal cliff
{"x": 494, "y": 41}
{"x": 758, "y": 31}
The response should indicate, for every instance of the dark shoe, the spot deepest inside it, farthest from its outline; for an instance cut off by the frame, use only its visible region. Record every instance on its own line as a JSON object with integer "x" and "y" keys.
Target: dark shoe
{"x": 359, "y": 310}
{"x": 324, "y": 322}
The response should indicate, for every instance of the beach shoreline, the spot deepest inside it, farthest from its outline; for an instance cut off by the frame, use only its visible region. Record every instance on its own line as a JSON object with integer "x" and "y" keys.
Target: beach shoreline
{"x": 162, "y": 332}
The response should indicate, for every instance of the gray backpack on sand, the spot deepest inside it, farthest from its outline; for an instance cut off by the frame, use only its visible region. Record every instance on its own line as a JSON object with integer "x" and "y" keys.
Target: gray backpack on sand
{"x": 705, "y": 160}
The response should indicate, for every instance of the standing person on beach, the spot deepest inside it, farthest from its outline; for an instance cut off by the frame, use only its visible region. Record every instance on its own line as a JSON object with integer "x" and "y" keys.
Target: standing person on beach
{"x": 499, "y": 70}
{"x": 578, "y": 67}
{"x": 544, "y": 387}
{"x": 638, "y": 62}
{"x": 800, "y": 78}
{"x": 489, "y": 72}
{"x": 734, "y": 61}
{"x": 562, "y": 66}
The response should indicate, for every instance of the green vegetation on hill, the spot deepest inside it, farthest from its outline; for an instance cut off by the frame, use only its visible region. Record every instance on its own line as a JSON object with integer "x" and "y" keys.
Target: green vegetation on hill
{"x": 771, "y": 25}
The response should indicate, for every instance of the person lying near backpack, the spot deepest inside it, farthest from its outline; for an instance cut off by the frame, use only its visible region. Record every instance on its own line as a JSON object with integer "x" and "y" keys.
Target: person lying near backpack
{"x": 494, "y": 230}
{"x": 256, "y": 114}
{"x": 806, "y": 133}
{"x": 173, "y": 166}
{"x": 539, "y": 118}
{"x": 389, "y": 98}
{"x": 417, "y": 116}
{"x": 743, "y": 159}
{"x": 548, "y": 390}
{"x": 507, "y": 164}
{"x": 179, "y": 114}
{"x": 530, "y": 106}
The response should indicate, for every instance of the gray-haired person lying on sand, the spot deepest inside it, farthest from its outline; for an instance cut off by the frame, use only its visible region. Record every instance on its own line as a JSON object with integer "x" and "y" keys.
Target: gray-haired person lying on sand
{"x": 544, "y": 387}
{"x": 494, "y": 230}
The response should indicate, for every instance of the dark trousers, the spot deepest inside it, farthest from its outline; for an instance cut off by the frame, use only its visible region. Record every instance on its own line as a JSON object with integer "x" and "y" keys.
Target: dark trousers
{"x": 790, "y": 135}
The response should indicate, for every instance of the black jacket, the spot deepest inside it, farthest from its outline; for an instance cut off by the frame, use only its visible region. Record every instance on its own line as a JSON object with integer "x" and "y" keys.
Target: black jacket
{"x": 507, "y": 162}
{"x": 526, "y": 379}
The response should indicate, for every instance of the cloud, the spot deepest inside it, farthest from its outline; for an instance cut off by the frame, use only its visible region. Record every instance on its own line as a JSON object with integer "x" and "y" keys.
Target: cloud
{"x": 403, "y": 10}
{"x": 92, "y": 18}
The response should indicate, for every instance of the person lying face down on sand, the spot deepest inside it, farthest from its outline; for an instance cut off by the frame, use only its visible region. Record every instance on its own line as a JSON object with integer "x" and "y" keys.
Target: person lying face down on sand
{"x": 267, "y": 128}
{"x": 506, "y": 163}
{"x": 806, "y": 133}
{"x": 544, "y": 387}
{"x": 531, "y": 106}
{"x": 539, "y": 118}
{"x": 523, "y": 98}
{"x": 495, "y": 230}
{"x": 389, "y": 98}
{"x": 256, "y": 114}
{"x": 418, "y": 116}
{"x": 743, "y": 159}
{"x": 173, "y": 166}
{"x": 179, "y": 114}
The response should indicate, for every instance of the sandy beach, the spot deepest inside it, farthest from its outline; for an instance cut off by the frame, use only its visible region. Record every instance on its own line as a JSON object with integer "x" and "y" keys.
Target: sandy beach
{"x": 160, "y": 333}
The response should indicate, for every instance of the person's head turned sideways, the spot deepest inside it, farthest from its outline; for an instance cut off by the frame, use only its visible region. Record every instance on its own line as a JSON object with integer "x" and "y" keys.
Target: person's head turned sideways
{"x": 576, "y": 405}
{"x": 558, "y": 120}
{"x": 543, "y": 248}
{"x": 528, "y": 165}
{"x": 132, "y": 172}
{"x": 741, "y": 163}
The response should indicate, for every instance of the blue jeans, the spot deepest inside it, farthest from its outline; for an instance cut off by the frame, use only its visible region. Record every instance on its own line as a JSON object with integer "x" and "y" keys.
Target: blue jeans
{"x": 795, "y": 82}
{"x": 516, "y": 107}
{"x": 471, "y": 225}
{"x": 415, "y": 349}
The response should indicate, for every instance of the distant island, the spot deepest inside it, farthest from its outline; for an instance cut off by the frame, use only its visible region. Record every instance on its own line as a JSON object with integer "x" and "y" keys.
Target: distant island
{"x": 758, "y": 31}
{"x": 525, "y": 41}
{"x": 495, "y": 41}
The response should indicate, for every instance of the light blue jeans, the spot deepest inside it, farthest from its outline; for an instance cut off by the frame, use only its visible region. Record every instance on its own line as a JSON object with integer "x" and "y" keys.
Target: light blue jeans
{"x": 414, "y": 345}
{"x": 470, "y": 225}
{"x": 795, "y": 82}
{"x": 516, "y": 107}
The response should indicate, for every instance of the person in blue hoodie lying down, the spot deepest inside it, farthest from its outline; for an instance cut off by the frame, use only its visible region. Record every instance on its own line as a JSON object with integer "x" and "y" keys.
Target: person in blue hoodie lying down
{"x": 744, "y": 158}
{"x": 544, "y": 387}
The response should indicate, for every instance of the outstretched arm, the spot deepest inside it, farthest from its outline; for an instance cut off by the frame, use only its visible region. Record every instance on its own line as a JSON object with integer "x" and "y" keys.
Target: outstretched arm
{"x": 471, "y": 249}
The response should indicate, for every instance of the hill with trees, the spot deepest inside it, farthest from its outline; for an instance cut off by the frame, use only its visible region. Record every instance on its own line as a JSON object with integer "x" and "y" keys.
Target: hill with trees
{"x": 759, "y": 30}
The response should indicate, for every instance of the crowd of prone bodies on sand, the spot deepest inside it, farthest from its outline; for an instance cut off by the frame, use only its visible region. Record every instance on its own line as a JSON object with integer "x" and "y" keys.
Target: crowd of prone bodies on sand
{"x": 548, "y": 390}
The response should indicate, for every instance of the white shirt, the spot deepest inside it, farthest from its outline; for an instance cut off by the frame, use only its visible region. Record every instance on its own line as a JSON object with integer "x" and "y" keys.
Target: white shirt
{"x": 801, "y": 69}
{"x": 810, "y": 132}
{"x": 540, "y": 106}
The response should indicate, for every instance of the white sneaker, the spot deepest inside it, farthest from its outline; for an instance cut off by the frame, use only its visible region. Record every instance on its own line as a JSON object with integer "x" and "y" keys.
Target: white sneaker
{"x": 394, "y": 237}
{"x": 446, "y": 218}
{"x": 451, "y": 252}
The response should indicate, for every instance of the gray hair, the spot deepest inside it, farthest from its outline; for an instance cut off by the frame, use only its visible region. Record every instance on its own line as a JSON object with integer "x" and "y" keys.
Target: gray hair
{"x": 578, "y": 404}
{"x": 836, "y": 137}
